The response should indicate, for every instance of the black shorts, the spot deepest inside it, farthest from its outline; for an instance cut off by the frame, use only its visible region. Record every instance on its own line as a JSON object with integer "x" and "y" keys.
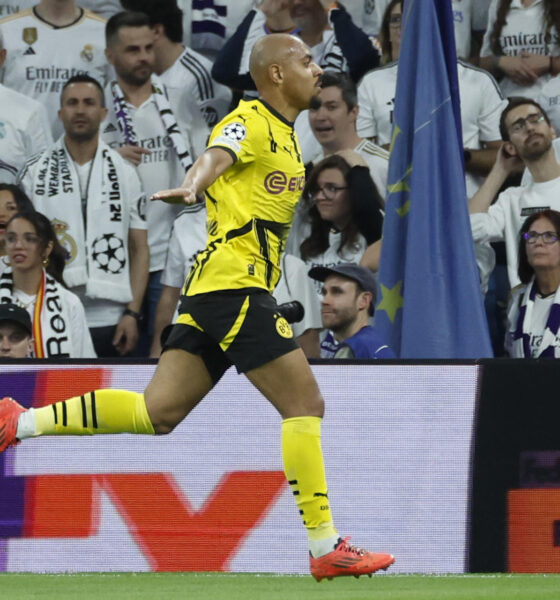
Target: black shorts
{"x": 238, "y": 327}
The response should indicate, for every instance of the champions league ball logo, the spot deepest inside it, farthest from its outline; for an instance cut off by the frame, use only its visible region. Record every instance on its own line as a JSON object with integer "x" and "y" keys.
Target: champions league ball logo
{"x": 108, "y": 253}
{"x": 235, "y": 131}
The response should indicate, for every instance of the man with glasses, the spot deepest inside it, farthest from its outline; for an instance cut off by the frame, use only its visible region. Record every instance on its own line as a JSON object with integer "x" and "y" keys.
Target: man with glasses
{"x": 528, "y": 135}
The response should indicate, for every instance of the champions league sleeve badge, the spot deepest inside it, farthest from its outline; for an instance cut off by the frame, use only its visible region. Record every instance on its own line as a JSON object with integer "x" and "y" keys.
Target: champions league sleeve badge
{"x": 235, "y": 132}
{"x": 231, "y": 135}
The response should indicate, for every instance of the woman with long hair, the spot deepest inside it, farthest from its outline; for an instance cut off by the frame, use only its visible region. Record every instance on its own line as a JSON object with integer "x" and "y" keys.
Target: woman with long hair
{"x": 521, "y": 46}
{"x": 339, "y": 215}
{"x": 12, "y": 200}
{"x": 534, "y": 308}
{"x": 33, "y": 281}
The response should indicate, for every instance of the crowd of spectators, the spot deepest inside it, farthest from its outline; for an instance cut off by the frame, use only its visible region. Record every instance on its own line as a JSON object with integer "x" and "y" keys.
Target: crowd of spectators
{"x": 103, "y": 103}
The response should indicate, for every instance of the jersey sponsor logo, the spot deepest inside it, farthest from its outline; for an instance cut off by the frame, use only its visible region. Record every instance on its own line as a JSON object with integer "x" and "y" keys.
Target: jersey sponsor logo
{"x": 277, "y": 182}
{"x": 235, "y": 132}
{"x": 29, "y": 51}
{"x": 29, "y": 35}
{"x": 110, "y": 128}
{"x": 283, "y": 328}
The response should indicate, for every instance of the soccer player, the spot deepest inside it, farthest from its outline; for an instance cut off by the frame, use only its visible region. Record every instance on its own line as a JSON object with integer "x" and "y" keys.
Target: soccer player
{"x": 252, "y": 174}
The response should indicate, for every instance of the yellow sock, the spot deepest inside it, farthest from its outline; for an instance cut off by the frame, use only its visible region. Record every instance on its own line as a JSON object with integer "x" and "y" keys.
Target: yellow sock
{"x": 102, "y": 411}
{"x": 305, "y": 471}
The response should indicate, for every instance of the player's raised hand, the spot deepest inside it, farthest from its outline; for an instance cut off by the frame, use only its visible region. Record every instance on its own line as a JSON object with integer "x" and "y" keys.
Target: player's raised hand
{"x": 182, "y": 195}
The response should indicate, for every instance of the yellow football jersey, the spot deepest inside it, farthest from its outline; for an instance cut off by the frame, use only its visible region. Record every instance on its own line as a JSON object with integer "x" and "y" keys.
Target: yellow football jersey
{"x": 250, "y": 206}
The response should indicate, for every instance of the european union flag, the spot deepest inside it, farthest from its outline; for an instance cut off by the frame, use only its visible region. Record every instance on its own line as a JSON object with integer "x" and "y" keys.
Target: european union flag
{"x": 430, "y": 300}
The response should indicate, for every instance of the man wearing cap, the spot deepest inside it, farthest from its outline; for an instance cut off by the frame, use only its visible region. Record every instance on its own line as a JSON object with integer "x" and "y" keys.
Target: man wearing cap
{"x": 16, "y": 340}
{"x": 348, "y": 300}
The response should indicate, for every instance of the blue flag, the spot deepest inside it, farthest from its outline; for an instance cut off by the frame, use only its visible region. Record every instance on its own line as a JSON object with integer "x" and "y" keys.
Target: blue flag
{"x": 430, "y": 303}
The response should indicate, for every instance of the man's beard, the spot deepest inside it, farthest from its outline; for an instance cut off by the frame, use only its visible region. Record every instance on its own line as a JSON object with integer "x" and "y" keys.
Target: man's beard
{"x": 136, "y": 80}
{"x": 82, "y": 136}
{"x": 532, "y": 154}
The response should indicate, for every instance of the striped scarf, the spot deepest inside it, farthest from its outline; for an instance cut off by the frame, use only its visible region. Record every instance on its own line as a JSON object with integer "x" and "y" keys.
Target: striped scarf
{"x": 126, "y": 124}
{"x": 50, "y": 322}
{"x": 522, "y": 336}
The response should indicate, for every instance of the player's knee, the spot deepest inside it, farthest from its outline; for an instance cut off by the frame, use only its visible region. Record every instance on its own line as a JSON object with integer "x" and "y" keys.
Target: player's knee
{"x": 163, "y": 419}
{"x": 316, "y": 406}
{"x": 310, "y": 405}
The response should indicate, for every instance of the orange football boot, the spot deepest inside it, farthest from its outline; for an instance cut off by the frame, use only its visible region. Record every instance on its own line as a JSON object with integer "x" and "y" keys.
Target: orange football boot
{"x": 10, "y": 410}
{"x": 346, "y": 560}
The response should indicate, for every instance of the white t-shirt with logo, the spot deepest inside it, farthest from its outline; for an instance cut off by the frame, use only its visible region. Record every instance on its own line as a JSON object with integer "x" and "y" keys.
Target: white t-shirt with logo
{"x": 524, "y": 30}
{"x": 161, "y": 169}
{"x": 506, "y": 216}
{"x": 192, "y": 71}
{"x": 41, "y": 58}
{"x": 24, "y": 131}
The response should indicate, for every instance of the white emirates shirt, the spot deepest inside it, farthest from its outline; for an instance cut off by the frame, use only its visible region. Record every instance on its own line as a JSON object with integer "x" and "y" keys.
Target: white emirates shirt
{"x": 161, "y": 169}
{"x": 41, "y": 58}
{"x": 524, "y": 30}
{"x": 24, "y": 131}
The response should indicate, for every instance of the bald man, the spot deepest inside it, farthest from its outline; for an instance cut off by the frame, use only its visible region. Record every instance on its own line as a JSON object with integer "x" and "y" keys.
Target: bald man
{"x": 252, "y": 175}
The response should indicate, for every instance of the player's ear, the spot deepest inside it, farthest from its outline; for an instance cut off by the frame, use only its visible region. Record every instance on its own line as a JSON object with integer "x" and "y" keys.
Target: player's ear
{"x": 275, "y": 73}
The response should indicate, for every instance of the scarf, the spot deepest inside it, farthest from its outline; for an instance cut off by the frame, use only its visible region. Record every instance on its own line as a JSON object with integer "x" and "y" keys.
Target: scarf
{"x": 50, "y": 323}
{"x": 93, "y": 235}
{"x": 126, "y": 125}
{"x": 522, "y": 336}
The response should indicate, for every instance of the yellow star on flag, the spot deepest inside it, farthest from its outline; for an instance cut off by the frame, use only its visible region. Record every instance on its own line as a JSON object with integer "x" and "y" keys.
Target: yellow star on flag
{"x": 391, "y": 300}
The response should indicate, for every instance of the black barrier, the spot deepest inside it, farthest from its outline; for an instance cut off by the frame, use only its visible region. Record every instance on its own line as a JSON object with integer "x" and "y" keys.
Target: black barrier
{"x": 517, "y": 448}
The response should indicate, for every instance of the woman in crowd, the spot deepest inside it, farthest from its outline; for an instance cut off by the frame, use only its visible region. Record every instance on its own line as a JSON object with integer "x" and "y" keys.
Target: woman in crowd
{"x": 521, "y": 44}
{"x": 339, "y": 215}
{"x": 534, "y": 308}
{"x": 12, "y": 200}
{"x": 390, "y": 32}
{"x": 34, "y": 281}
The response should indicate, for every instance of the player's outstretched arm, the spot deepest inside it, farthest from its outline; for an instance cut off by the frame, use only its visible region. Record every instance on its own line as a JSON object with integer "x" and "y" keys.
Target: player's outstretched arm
{"x": 205, "y": 170}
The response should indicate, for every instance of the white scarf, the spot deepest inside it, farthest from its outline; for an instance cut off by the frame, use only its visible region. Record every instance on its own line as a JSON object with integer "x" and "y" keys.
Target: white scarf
{"x": 126, "y": 125}
{"x": 50, "y": 324}
{"x": 521, "y": 340}
{"x": 97, "y": 250}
